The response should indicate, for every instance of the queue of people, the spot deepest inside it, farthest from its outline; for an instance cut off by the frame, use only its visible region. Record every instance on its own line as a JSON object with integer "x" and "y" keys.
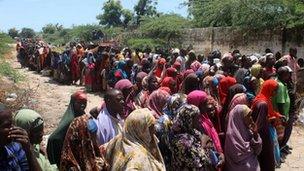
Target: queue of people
{"x": 178, "y": 112}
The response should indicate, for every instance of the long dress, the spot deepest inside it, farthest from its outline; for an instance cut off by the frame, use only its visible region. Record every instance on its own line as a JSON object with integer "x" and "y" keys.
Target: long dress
{"x": 266, "y": 157}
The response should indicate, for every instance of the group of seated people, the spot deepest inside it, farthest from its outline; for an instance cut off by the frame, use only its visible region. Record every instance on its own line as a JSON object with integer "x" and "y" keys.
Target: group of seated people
{"x": 227, "y": 112}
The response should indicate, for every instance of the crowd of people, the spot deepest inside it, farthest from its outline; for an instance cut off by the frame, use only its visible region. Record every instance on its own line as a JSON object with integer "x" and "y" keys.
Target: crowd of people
{"x": 180, "y": 111}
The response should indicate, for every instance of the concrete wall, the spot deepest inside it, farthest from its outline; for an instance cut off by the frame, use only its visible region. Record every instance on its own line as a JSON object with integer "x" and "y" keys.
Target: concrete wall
{"x": 204, "y": 40}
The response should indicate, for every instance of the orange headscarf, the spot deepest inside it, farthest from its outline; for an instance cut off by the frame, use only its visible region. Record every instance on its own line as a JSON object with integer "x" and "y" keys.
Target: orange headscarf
{"x": 266, "y": 93}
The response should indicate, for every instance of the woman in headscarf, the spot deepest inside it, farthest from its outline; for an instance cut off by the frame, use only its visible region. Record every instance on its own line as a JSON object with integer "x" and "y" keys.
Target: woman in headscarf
{"x": 199, "y": 99}
{"x": 80, "y": 150}
{"x": 138, "y": 82}
{"x": 256, "y": 71}
{"x": 170, "y": 83}
{"x": 89, "y": 71}
{"x": 136, "y": 147}
{"x": 238, "y": 99}
{"x": 243, "y": 142}
{"x": 164, "y": 124}
{"x": 224, "y": 85}
{"x": 76, "y": 108}
{"x": 151, "y": 84}
{"x": 33, "y": 124}
{"x": 250, "y": 85}
{"x": 188, "y": 143}
{"x": 232, "y": 90}
{"x": 157, "y": 101}
{"x": 126, "y": 87}
{"x": 160, "y": 67}
{"x": 190, "y": 83}
{"x": 75, "y": 69}
{"x": 263, "y": 114}
{"x": 102, "y": 69}
{"x": 210, "y": 84}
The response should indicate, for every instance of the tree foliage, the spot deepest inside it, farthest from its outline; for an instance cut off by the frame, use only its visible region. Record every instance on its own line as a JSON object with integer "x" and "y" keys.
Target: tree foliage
{"x": 114, "y": 15}
{"x": 27, "y": 33}
{"x": 167, "y": 27}
{"x": 13, "y": 32}
{"x": 259, "y": 14}
{"x": 145, "y": 8}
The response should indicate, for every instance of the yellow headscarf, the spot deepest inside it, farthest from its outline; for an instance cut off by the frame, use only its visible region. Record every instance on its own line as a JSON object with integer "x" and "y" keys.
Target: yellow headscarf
{"x": 135, "y": 148}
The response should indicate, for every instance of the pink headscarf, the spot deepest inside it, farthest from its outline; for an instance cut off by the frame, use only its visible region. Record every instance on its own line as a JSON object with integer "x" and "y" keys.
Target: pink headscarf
{"x": 195, "y": 66}
{"x": 157, "y": 101}
{"x": 197, "y": 98}
{"x": 123, "y": 84}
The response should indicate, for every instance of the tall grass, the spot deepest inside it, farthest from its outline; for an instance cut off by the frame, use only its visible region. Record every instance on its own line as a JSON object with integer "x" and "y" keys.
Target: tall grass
{"x": 5, "y": 68}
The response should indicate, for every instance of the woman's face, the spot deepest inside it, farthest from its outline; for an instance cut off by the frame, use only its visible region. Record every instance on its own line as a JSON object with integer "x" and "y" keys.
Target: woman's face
{"x": 80, "y": 106}
{"x": 210, "y": 109}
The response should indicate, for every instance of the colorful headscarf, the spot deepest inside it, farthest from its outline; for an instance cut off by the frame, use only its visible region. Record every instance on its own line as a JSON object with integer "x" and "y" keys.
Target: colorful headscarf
{"x": 168, "y": 82}
{"x": 80, "y": 149}
{"x": 123, "y": 84}
{"x": 224, "y": 85}
{"x": 266, "y": 93}
{"x": 157, "y": 101}
{"x": 174, "y": 103}
{"x": 188, "y": 152}
{"x": 135, "y": 148}
{"x": 197, "y": 98}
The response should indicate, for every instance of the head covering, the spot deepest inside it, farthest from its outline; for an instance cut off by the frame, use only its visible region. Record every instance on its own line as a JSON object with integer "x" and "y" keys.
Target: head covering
{"x": 79, "y": 95}
{"x": 135, "y": 148}
{"x": 141, "y": 75}
{"x": 197, "y": 97}
{"x": 195, "y": 66}
{"x": 159, "y": 70}
{"x": 177, "y": 65}
{"x": 255, "y": 70}
{"x": 190, "y": 83}
{"x": 28, "y": 119}
{"x": 85, "y": 154}
{"x": 188, "y": 72}
{"x": 55, "y": 144}
{"x": 174, "y": 102}
{"x": 238, "y": 99}
{"x": 168, "y": 82}
{"x": 224, "y": 85}
{"x": 156, "y": 102}
{"x": 239, "y": 141}
{"x": 266, "y": 93}
{"x": 123, "y": 84}
{"x": 187, "y": 150}
{"x": 171, "y": 72}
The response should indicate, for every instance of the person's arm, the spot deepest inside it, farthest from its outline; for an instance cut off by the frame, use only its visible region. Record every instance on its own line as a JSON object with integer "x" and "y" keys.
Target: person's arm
{"x": 21, "y": 136}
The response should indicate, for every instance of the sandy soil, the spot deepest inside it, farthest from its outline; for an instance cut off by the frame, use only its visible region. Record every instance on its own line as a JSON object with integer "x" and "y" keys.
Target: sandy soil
{"x": 53, "y": 99}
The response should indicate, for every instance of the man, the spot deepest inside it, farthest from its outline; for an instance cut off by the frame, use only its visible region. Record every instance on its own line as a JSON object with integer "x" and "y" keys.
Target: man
{"x": 281, "y": 103}
{"x": 269, "y": 70}
{"x": 16, "y": 151}
{"x": 244, "y": 71}
{"x": 291, "y": 60}
{"x": 109, "y": 120}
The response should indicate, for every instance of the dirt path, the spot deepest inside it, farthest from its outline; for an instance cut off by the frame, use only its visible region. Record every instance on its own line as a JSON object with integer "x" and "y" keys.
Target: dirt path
{"x": 52, "y": 98}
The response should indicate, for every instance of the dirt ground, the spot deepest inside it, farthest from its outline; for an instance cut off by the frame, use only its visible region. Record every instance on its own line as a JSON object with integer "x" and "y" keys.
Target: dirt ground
{"x": 52, "y": 100}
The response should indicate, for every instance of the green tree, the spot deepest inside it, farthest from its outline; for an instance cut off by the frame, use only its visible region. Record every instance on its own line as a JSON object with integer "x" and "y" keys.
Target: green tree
{"x": 257, "y": 14}
{"x": 145, "y": 8}
{"x": 27, "y": 33}
{"x": 127, "y": 17}
{"x": 166, "y": 27}
{"x": 84, "y": 32}
{"x": 13, "y": 32}
{"x": 112, "y": 13}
